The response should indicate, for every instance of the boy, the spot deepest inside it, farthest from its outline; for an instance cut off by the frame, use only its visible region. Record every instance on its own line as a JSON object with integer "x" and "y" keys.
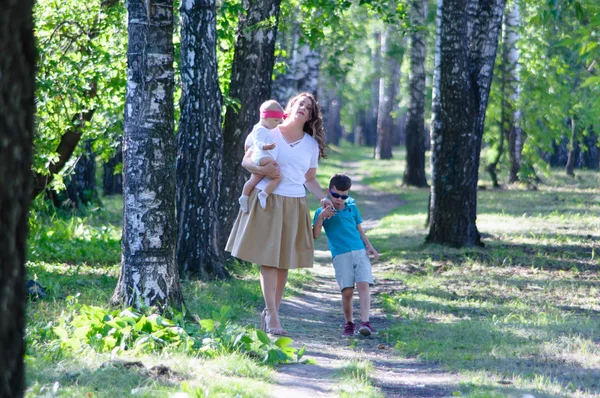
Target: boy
{"x": 350, "y": 248}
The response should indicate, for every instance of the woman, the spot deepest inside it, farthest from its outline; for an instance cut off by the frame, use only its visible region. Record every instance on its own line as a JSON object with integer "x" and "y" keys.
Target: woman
{"x": 280, "y": 237}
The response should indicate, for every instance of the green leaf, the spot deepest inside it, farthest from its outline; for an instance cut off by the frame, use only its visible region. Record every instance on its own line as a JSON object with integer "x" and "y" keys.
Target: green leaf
{"x": 207, "y": 324}
{"x": 262, "y": 336}
{"x": 283, "y": 341}
{"x": 300, "y": 353}
{"x": 61, "y": 332}
{"x": 81, "y": 332}
{"x": 225, "y": 311}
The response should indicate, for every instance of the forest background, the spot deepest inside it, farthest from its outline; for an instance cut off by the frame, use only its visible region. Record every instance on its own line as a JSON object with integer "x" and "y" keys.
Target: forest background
{"x": 360, "y": 60}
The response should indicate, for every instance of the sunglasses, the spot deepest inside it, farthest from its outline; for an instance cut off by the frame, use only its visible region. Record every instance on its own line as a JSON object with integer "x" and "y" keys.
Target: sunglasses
{"x": 338, "y": 196}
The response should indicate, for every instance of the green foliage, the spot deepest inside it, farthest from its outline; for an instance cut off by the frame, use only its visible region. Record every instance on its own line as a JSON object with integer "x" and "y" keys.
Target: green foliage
{"x": 55, "y": 235}
{"x": 84, "y": 327}
{"x": 81, "y": 67}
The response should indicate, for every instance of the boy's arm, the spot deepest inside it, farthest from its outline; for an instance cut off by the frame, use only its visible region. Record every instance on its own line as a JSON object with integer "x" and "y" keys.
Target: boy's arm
{"x": 368, "y": 246}
{"x": 320, "y": 216}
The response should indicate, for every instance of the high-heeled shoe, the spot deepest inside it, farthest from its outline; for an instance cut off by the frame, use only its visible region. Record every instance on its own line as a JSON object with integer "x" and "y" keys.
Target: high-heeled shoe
{"x": 263, "y": 320}
{"x": 273, "y": 331}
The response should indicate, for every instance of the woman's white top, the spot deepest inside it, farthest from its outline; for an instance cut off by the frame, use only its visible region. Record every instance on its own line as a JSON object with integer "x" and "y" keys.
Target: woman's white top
{"x": 294, "y": 162}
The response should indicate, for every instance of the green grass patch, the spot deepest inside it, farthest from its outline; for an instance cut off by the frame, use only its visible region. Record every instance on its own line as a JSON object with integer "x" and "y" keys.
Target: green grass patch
{"x": 520, "y": 316}
{"x": 355, "y": 380}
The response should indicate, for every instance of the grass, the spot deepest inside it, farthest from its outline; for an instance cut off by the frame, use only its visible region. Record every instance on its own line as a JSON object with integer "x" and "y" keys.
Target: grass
{"x": 519, "y": 316}
{"x": 355, "y": 377}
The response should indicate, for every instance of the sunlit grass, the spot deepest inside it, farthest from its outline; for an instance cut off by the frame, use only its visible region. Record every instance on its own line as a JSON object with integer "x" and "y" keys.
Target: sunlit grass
{"x": 356, "y": 380}
{"x": 519, "y": 316}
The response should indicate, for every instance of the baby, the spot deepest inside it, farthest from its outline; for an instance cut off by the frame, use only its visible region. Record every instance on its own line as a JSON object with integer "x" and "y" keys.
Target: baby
{"x": 264, "y": 151}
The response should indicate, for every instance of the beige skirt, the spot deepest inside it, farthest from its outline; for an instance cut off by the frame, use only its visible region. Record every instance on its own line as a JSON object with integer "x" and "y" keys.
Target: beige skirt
{"x": 279, "y": 236}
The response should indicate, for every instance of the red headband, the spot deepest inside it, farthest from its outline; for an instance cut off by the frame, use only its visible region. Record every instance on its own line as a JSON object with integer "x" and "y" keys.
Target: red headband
{"x": 271, "y": 114}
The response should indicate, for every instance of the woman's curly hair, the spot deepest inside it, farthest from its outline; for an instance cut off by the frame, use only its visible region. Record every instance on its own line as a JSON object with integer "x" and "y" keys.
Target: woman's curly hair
{"x": 314, "y": 126}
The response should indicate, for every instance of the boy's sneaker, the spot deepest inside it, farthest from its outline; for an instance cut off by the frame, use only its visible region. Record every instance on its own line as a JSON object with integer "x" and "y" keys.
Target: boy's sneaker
{"x": 365, "y": 329}
{"x": 349, "y": 329}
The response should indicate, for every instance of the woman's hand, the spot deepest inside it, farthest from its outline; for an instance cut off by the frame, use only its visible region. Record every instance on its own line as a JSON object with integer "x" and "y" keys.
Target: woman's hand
{"x": 271, "y": 170}
{"x": 325, "y": 203}
{"x": 327, "y": 213}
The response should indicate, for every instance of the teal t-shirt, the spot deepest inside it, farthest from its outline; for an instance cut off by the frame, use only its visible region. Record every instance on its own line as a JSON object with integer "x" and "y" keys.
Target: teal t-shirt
{"x": 341, "y": 231}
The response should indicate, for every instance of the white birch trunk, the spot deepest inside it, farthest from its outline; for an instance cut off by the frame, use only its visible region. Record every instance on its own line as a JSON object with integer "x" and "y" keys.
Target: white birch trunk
{"x": 149, "y": 274}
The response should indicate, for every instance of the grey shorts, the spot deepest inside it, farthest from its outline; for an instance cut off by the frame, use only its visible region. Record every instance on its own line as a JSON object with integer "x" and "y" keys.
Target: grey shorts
{"x": 352, "y": 267}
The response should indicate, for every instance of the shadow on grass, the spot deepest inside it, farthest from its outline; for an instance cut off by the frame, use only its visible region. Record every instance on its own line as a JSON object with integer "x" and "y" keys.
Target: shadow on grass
{"x": 79, "y": 379}
{"x": 505, "y": 349}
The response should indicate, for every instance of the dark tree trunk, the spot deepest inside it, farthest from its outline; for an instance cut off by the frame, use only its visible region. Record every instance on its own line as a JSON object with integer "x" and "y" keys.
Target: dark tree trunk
{"x": 251, "y": 84}
{"x": 112, "y": 183}
{"x": 392, "y": 50}
{"x": 359, "y": 128}
{"x": 415, "y": 123}
{"x": 17, "y": 86}
{"x": 469, "y": 39}
{"x": 370, "y": 126}
{"x": 81, "y": 187}
{"x": 331, "y": 104}
{"x": 591, "y": 157}
{"x": 200, "y": 145}
{"x": 573, "y": 149}
{"x": 149, "y": 274}
{"x": 66, "y": 147}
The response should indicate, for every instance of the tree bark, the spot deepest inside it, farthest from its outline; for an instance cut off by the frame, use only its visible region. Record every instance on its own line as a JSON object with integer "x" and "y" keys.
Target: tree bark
{"x": 392, "y": 50}
{"x": 591, "y": 157}
{"x": 468, "y": 43}
{"x": 251, "y": 72}
{"x": 149, "y": 274}
{"x": 370, "y": 127}
{"x": 307, "y": 70}
{"x": 112, "y": 183}
{"x": 17, "y": 87}
{"x": 511, "y": 69}
{"x": 81, "y": 187}
{"x": 200, "y": 145}
{"x": 573, "y": 149}
{"x": 415, "y": 123}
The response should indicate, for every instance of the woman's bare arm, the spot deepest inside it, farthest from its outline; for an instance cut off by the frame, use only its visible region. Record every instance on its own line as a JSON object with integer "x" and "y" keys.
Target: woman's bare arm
{"x": 315, "y": 188}
{"x": 269, "y": 170}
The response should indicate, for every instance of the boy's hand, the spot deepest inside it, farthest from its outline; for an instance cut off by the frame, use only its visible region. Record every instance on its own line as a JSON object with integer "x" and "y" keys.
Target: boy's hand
{"x": 327, "y": 213}
{"x": 268, "y": 147}
{"x": 371, "y": 250}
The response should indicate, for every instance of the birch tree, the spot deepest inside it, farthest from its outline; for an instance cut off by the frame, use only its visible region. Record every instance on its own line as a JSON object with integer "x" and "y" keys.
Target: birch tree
{"x": 511, "y": 114}
{"x": 149, "y": 274}
{"x": 17, "y": 85}
{"x": 415, "y": 123}
{"x": 468, "y": 42}
{"x": 392, "y": 51}
{"x": 200, "y": 144}
{"x": 251, "y": 72}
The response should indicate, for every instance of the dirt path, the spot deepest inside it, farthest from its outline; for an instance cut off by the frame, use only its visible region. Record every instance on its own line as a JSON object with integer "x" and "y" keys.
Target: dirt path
{"x": 314, "y": 319}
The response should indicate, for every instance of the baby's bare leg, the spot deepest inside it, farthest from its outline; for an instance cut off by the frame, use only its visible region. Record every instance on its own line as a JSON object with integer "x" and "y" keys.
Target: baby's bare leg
{"x": 271, "y": 184}
{"x": 251, "y": 183}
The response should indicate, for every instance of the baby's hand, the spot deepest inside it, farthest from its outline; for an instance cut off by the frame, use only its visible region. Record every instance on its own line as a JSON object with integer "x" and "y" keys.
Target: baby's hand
{"x": 268, "y": 147}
